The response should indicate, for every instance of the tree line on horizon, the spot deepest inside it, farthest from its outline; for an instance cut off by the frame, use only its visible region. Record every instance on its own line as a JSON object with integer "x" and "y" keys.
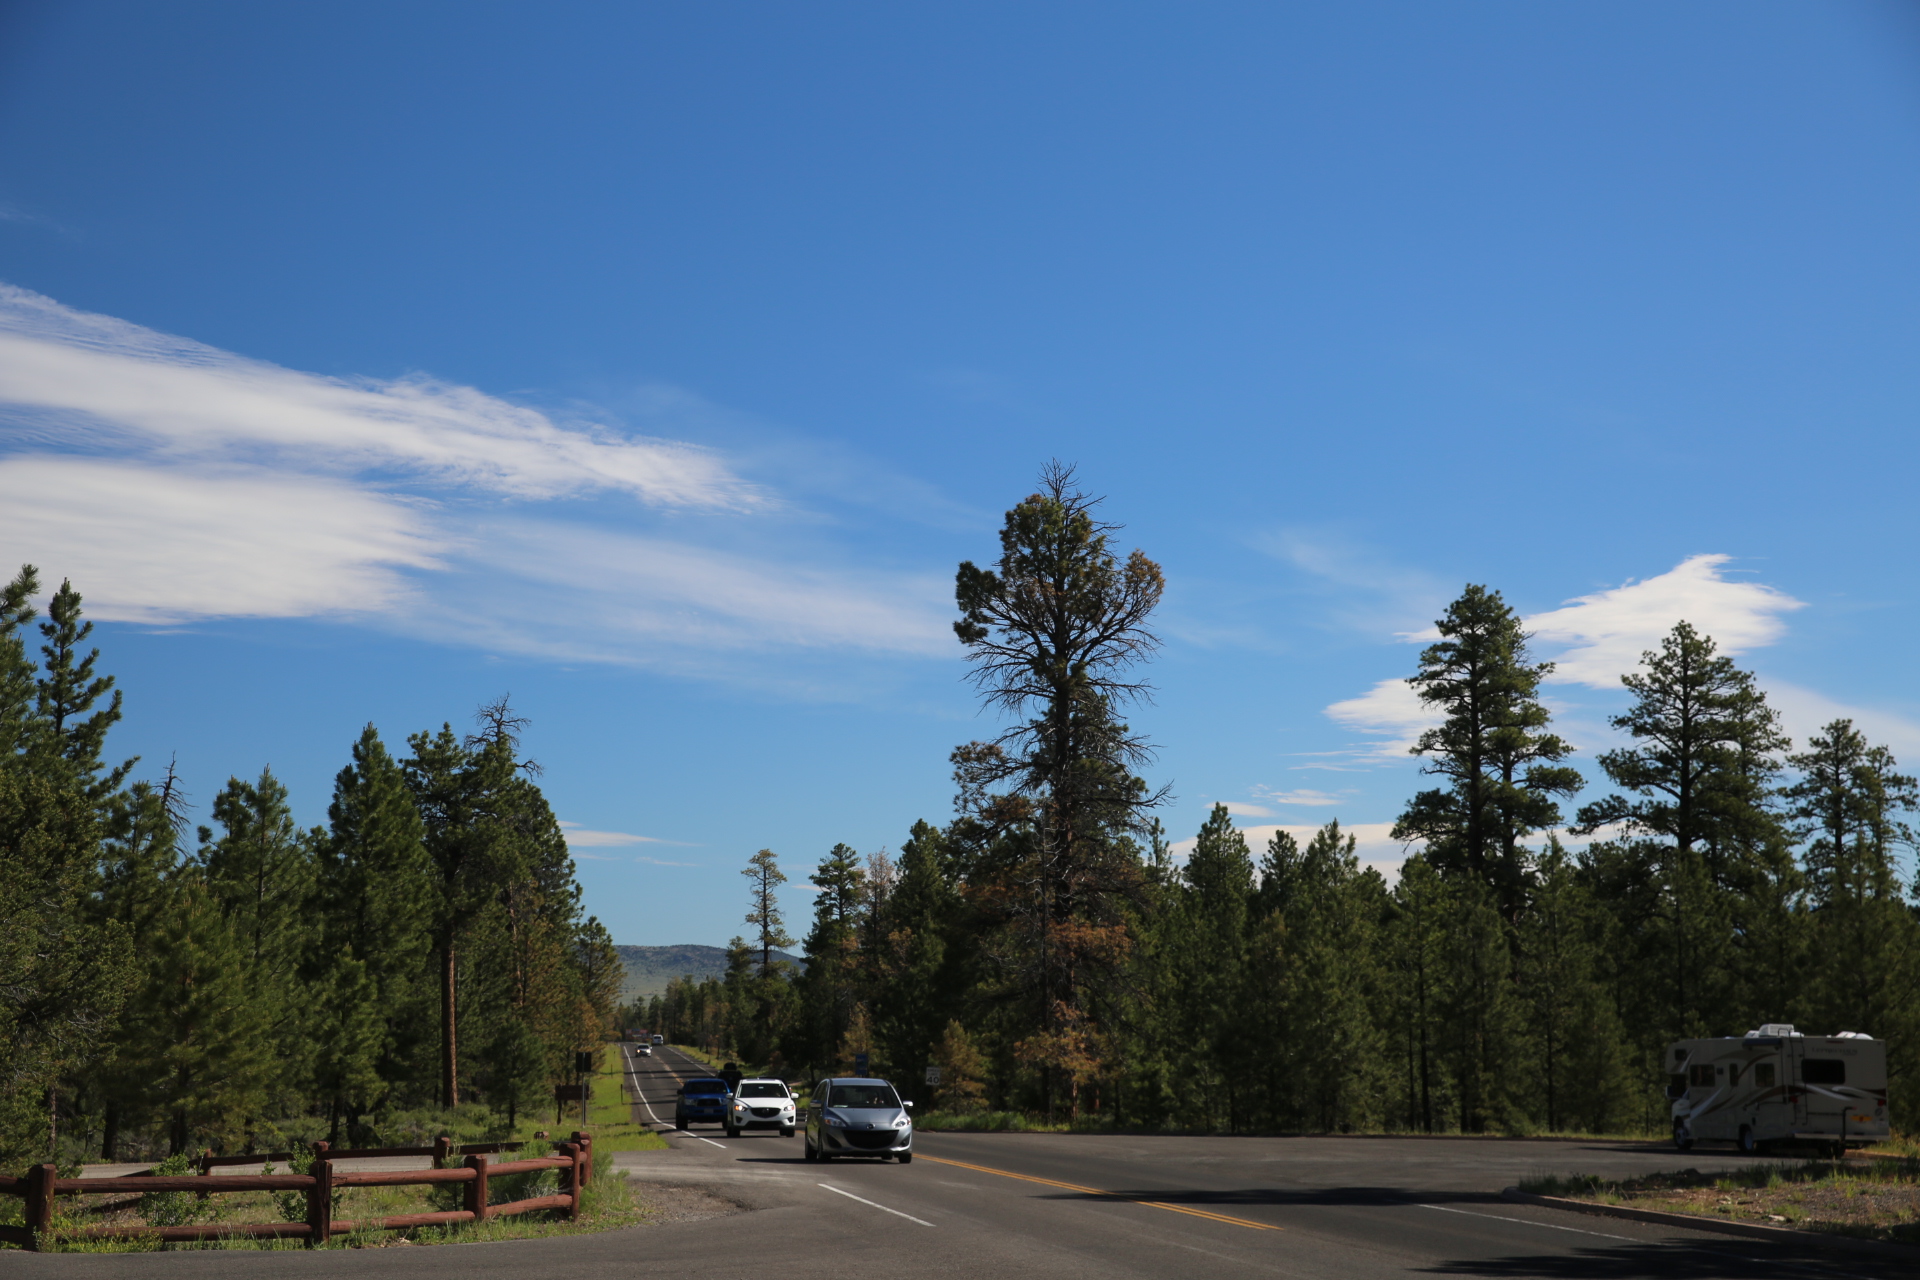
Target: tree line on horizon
{"x": 1050, "y": 955}
{"x": 248, "y": 983}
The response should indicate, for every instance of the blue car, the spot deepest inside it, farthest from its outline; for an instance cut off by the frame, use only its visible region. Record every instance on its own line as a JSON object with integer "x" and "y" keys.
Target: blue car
{"x": 701, "y": 1101}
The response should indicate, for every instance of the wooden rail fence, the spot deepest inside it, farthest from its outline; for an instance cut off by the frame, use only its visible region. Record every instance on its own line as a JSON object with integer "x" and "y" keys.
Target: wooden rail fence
{"x": 42, "y": 1186}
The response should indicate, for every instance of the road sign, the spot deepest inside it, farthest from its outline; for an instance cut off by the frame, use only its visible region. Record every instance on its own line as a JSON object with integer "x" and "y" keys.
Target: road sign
{"x": 859, "y": 1064}
{"x": 933, "y": 1075}
{"x": 572, "y": 1092}
{"x": 583, "y": 1063}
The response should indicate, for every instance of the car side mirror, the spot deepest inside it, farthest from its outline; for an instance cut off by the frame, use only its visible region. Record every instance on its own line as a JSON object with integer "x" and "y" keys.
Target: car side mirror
{"x": 907, "y": 1105}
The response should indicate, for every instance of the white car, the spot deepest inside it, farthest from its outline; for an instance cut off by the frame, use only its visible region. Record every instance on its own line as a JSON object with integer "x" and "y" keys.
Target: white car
{"x": 645, "y": 1050}
{"x": 760, "y": 1104}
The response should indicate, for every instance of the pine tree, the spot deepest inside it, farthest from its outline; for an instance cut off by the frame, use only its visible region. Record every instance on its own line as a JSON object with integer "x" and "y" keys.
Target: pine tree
{"x": 1318, "y": 974}
{"x": 1417, "y": 958}
{"x": 197, "y": 1024}
{"x": 376, "y": 893}
{"x": 831, "y": 982}
{"x": 1501, "y": 766}
{"x": 463, "y": 795}
{"x": 1054, "y": 631}
{"x": 1848, "y": 807}
{"x": 67, "y": 690}
{"x": 764, "y": 879}
{"x": 1699, "y": 871}
{"x": 1582, "y": 1073}
{"x": 1218, "y": 882}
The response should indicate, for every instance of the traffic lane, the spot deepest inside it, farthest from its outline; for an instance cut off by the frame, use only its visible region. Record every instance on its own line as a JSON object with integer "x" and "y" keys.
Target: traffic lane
{"x": 1396, "y": 1222}
{"x": 1334, "y": 1165}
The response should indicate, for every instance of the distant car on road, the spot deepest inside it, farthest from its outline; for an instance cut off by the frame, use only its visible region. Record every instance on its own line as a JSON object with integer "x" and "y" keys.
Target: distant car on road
{"x": 760, "y": 1104}
{"x": 702, "y": 1101}
{"x": 659, "y": 1040}
{"x": 858, "y": 1116}
{"x": 645, "y": 1051}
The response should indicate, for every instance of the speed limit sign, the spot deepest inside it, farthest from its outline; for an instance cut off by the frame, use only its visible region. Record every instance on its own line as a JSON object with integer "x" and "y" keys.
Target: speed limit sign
{"x": 933, "y": 1075}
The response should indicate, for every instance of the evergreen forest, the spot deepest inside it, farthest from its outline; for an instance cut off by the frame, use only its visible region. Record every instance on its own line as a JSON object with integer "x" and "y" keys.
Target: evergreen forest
{"x": 1048, "y": 954}
{"x": 248, "y": 984}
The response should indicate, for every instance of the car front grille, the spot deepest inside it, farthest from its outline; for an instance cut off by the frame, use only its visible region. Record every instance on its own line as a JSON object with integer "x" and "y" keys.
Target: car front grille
{"x": 875, "y": 1140}
{"x": 766, "y": 1113}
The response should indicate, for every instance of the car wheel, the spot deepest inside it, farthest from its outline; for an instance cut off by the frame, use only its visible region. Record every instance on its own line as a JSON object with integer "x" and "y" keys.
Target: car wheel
{"x": 679, "y": 1121}
{"x": 1681, "y": 1138}
{"x": 810, "y": 1153}
{"x": 729, "y": 1131}
{"x": 905, "y": 1157}
{"x": 1747, "y": 1144}
{"x": 787, "y": 1132}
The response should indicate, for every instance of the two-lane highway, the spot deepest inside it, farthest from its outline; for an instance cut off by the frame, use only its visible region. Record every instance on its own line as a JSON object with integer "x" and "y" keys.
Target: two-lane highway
{"x": 1013, "y": 1206}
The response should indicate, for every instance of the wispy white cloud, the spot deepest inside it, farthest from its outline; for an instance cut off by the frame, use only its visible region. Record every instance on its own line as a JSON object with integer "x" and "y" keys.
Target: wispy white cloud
{"x": 1241, "y": 810}
{"x": 83, "y": 378}
{"x": 1605, "y": 633}
{"x": 173, "y": 481}
{"x": 156, "y": 544}
{"x": 1300, "y": 796}
{"x": 1804, "y": 713}
{"x": 1391, "y": 711}
{"x": 1595, "y": 639}
{"x": 579, "y": 837}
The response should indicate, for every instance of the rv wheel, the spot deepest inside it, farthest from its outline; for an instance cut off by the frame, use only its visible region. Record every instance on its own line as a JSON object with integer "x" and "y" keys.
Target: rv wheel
{"x": 1681, "y": 1138}
{"x": 1747, "y": 1144}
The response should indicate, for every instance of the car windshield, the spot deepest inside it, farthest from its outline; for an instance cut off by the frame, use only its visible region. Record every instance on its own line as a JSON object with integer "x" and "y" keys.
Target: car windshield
{"x": 864, "y": 1095}
{"x": 705, "y": 1086}
{"x": 762, "y": 1089}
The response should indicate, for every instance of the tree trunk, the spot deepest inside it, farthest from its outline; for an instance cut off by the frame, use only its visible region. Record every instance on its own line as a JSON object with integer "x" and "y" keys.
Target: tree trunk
{"x": 449, "y": 1050}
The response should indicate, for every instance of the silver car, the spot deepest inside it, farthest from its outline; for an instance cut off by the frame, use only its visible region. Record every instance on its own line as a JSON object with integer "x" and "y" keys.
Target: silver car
{"x": 855, "y": 1116}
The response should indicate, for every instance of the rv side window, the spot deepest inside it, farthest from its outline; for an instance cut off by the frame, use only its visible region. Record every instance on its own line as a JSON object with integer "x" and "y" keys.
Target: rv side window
{"x": 1733, "y": 1074}
{"x": 1700, "y": 1076}
{"x": 1763, "y": 1075}
{"x": 1824, "y": 1071}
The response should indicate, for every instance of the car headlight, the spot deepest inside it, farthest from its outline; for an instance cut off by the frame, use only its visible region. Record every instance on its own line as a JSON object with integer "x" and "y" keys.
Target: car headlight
{"x": 836, "y": 1122}
{"x": 902, "y": 1123}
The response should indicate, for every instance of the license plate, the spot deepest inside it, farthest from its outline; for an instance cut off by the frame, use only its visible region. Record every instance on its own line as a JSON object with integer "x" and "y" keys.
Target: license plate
{"x": 1863, "y": 1119}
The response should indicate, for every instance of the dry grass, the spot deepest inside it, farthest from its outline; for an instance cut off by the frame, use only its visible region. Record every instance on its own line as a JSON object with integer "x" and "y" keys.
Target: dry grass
{"x": 1877, "y": 1197}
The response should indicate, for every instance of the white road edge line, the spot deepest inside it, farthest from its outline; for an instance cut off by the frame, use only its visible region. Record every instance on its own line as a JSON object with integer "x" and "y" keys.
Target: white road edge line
{"x": 710, "y": 1142}
{"x": 1527, "y": 1222}
{"x": 882, "y": 1208}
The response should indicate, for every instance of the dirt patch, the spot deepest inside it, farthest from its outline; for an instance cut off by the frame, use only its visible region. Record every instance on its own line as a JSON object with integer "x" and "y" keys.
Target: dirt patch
{"x": 1876, "y": 1198}
{"x": 663, "y": 1203}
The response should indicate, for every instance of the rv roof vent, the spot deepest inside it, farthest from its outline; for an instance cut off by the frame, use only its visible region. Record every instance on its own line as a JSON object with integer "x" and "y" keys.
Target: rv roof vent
{"x": 1853, "y": 1035}
{"x": 1778, "y": 1029}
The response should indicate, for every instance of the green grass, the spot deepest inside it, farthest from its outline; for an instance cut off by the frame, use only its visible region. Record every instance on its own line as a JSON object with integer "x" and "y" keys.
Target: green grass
{"x": 610, "y": 1113}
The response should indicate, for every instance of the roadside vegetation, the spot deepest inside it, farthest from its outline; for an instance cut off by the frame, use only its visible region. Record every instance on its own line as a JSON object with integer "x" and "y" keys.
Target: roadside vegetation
{"x": 1875, "y": 1197}
{"x": 1059, "y": 961}
{"x": 1047, "y": 955}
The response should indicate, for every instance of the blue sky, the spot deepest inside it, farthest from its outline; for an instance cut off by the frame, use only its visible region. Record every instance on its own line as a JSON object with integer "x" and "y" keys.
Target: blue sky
{"x": 657, "y": 364}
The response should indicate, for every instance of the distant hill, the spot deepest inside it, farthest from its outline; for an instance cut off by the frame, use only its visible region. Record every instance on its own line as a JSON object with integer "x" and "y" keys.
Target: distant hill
{"x": 649, "y": 969}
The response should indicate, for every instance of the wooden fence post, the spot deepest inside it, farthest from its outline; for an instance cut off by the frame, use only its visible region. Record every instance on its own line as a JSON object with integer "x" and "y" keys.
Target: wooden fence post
{"x": 586, "y": 1146}
{"x": 442, "y": 1148}
{"x": 574, "y": 1182}
{"x": 206, "y": 1169}
{"x": 477, "y": 1189}
{"x": 40, "y": 1202}
{"x": 320, "y": 1198}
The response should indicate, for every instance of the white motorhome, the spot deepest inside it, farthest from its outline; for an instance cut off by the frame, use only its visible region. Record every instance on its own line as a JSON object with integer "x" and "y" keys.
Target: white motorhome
{"x": 1778, "y": 1085}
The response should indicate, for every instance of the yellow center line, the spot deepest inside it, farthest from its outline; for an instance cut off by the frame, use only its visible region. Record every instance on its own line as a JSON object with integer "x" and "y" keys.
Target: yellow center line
{"x": 1096, "y": 1191}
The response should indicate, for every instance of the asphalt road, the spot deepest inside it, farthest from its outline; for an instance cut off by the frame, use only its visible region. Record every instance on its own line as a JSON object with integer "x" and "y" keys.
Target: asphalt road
{"x": 1010, "y": 1206}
